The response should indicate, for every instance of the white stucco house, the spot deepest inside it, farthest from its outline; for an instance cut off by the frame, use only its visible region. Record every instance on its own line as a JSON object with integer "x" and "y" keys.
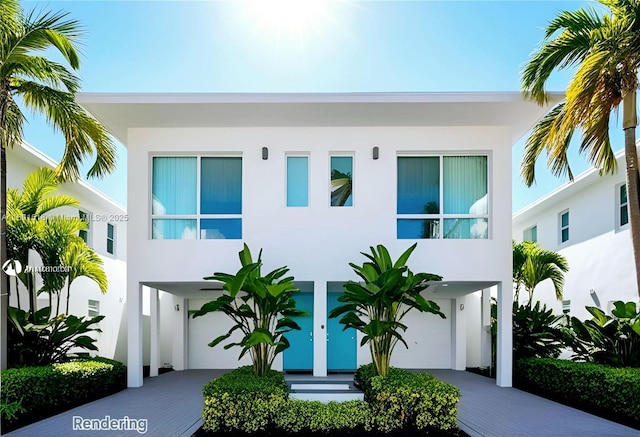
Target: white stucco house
{"x": 208, "y": 172}
{"x": 588, "y": 223}
{"x": 106, "y": 234}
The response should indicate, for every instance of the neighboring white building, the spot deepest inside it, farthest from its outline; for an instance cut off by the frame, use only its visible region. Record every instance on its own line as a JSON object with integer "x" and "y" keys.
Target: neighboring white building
{"x": 207, "y": 172}
{"x": 106, "y": 234}
{"x": 587, "y": 222}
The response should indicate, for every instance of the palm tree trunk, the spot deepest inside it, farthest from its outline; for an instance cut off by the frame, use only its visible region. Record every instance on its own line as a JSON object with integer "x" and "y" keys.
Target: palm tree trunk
{"x": 4, "y": 279}
{"x": 633, "y": 177}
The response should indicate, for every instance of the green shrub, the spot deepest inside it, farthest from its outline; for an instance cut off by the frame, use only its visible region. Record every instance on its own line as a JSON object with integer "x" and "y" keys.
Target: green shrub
{"x": 314, "y": 416}
{"x": 607, "y": 390}
{"x": 405, "y": 400}
{"x": 243, "y": 401}
{"x": 47, "y": 390}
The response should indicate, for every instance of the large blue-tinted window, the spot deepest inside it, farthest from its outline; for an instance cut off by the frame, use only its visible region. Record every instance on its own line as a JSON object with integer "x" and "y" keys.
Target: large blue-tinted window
{"x": 174, "y": 185}
{"x": 297, "y": 181}
{"x": 178, "y": 213}
{"x": 341, "y": 181}
{"x": 442, "y": 197}
{"x": 221, "y": 185}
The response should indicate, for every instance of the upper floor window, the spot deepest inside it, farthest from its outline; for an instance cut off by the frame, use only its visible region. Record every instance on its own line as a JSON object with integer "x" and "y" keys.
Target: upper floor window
{"x": 297, "y": 181}
{"x": 111, "y": 239}
{"x": 443, "y": 197}
{"x": 530, "y": 234}
{"x": 85, "y": 233}
{"x": 93, "y": 308}
{"x": 196, "y": 197}
{"x": 564, "y": 226}
{"x": 623, "y": 206}
{"x": 341, "y": 183}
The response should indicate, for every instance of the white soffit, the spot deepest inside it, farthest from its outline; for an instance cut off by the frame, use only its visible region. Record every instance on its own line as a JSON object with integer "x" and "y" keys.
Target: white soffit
{"x": 119, "y": 111}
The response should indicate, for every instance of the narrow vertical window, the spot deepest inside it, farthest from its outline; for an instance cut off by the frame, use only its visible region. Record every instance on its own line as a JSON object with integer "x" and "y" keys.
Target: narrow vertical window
{"x": 624, "y": 206}
{"x": 564, "y": 226}
{"x": 530, "y": 234}
{"x": 111, "y": 239}
{"x": 341, "y": 183}
{"x": 93, "y": 308}
{"x": 297, "y": 181}
{"x": 85, "y": 233}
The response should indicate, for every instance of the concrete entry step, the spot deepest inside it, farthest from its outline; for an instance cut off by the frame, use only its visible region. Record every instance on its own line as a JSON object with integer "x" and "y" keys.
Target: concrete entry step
{"x": 334, "y": 387}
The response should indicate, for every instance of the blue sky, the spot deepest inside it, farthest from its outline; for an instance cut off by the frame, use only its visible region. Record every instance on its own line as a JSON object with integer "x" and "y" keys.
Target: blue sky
{"x": 347, "y": 46}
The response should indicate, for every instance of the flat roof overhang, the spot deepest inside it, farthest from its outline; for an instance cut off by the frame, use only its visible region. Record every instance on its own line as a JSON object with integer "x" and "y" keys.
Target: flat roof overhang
{"x": 122, "y": 111}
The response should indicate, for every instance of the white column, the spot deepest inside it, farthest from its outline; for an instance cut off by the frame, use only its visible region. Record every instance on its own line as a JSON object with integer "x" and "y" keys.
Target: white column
{"x": 154, "y": 332}
{"x": 458, "y": 335}
{"x": 179, "y": 350}
{"x": 485, "y": 328}
{"x": 134, "y": 333}
{"x": 320, "y": 328}
{"x": 505, "y": 334}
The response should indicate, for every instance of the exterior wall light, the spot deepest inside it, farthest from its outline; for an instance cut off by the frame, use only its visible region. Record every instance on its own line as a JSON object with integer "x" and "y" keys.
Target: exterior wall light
{"x": 265, "y": 153}
{"x": 376, "y": 152}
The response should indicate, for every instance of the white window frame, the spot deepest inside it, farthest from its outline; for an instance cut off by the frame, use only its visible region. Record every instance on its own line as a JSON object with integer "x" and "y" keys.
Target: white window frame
{"x": 527, "y": 234}
{"x": 441, "y": 216}
{"x": 89, "y": 228}
{"x": 619, "y": 206}
{"x": 561, "y": 228}
{"x": 113, "y": 240}
{"x": 197, "y": 216}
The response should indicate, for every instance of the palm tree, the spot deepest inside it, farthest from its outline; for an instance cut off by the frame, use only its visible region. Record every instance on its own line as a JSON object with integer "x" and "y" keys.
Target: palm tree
{"x": 25, "y": 228}
{"x": 83, "y": 261}
{"x": 606, "y": 51}
{"x": 532, "y": 265}
{"x": 47, "y": 87}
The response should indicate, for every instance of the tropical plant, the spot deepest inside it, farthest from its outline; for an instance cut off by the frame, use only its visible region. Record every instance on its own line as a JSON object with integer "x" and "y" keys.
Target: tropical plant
{"x": 605, "y": 49}
{"x": 532, "y": 265}
{"x": 609, "y": 339}
{"x": 47, "y": 87}
{"x": 261, "y": 308}
{"x": 26, "y": 225}
{"x": 376, "y": 305}
{"x": 38, "y": 339}
{"x": 537, "y": 332}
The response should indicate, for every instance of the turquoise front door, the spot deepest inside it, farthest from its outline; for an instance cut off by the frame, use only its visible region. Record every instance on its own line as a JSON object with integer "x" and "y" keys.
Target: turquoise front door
{"x": 341, "y": 345}
{"x": 299, "y": 356}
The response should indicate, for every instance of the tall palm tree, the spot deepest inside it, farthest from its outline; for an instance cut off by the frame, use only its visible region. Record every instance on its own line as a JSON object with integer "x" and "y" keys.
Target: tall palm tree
{"x": 605, "y": 49}
{"x": 532, "y": 265}
{"x": 47, "y": 87}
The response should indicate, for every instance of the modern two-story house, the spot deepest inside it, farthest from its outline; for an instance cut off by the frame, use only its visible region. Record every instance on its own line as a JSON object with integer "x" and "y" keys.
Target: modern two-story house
{"x": 313, "y": 180}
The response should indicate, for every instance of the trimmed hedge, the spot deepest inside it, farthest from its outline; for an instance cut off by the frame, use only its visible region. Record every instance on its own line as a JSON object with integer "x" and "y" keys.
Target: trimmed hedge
{"x": 307, "y": 417}
{"x": 406, "y": 400}
{"x": 240, "y": 401}
{"x": 598, "y": 388}
{"x": 48, "y": 390}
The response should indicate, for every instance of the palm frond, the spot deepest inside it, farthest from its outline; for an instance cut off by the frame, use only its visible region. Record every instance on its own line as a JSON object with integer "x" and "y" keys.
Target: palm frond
{"x": 41, "y": 69}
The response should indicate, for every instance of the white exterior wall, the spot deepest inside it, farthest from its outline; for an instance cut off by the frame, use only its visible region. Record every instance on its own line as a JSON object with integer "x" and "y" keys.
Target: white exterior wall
{"x": 318, "y": 242}
{"x": 599, "y": 253}
{"x": 111, "y": 341}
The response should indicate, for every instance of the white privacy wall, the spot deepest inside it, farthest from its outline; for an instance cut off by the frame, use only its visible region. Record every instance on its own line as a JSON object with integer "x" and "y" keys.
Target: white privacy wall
{"x": 318, "y": 242}
{"x": 598, "y": 251}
